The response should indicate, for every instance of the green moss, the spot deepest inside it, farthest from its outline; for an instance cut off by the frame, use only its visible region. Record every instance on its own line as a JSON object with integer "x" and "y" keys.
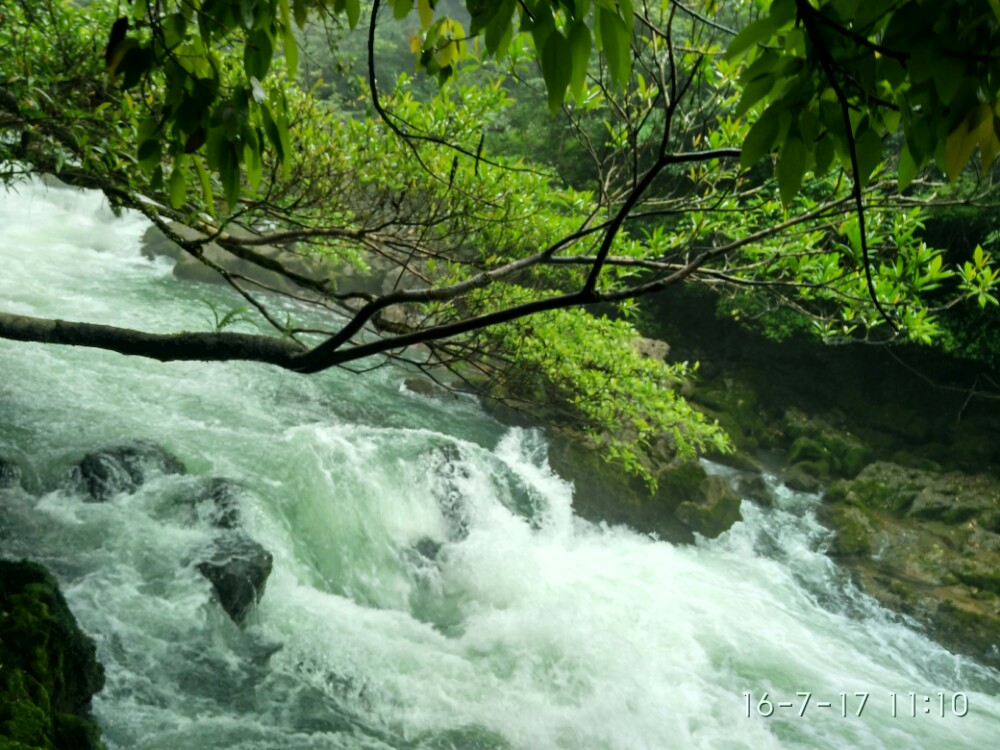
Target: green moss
{"x": 49, "y": 667}
{"x": 854, "y": 533}
{"x": 981, "y": 576}
{"x": 716, "y": 512}
{"x": 25, "y": 716}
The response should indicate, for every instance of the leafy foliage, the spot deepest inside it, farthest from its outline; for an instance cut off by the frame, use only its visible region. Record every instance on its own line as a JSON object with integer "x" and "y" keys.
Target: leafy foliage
{"x": 838, "y": 77}
{"x": 746, "y": 146}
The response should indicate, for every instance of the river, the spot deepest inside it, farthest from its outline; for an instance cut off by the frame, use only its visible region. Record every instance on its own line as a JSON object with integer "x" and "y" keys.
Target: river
{"x": 529, "y": 628}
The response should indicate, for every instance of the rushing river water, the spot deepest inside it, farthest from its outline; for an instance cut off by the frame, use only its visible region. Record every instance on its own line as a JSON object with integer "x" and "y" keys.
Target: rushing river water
{"x": 530, "y": 629}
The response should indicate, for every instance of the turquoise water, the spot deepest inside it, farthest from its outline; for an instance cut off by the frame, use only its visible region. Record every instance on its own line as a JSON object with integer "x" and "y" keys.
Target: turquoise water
{"x": 530, "y": 629}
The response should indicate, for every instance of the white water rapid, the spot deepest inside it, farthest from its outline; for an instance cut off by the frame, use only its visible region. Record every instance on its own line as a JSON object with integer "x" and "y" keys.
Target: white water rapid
{"x": 528, "y": 629}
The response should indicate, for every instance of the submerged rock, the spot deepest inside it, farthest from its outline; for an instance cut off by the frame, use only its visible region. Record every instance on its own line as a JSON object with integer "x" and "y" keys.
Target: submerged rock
{"x": 448, "y": 468}
{"x": 10, "y": 473}
{"x": 427, "y": 548}
{"x": 238, "y": 569}
{"x": 237, "y": 566}
{"x": 124, "y": 468}
{"x": 213, "y": 500}
{"x": 48, "y": 666}
{"x": 468, "y": 737}
{"x": 925, "y": 544}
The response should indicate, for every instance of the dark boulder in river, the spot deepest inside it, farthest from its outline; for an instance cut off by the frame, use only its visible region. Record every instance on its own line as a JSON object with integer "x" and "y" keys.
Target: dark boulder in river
{"x": 110, "y": 471}
{"x": 238, "y": 568}
{"x": 48, "y": 666}
{"x": 10, "y": 473}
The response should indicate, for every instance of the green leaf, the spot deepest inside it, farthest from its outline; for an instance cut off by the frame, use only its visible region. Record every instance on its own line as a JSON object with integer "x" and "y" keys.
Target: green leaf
{"x": 627, "y": 14}
{"x": 291, "y": 49}
{"x": 425, "y": 10}
{"x": 791, "y": 167}
{"x": 254, "y": 167}
{"x": 755, "y": 33}
{"x": 301, "y": 12}
{"x": 760, "y": 140}
{"x": 174, "y": 27}
{"x": 907, "y": 168}
{"x": 754, "y": 91}
{"x": 206, "y": 185}
{"x": 401, "y": 8}
{"x": 498, "y": 29}
{"x": 868, "y": 146}
{"x": 782, "y": 12}
{"x": 271, "y": 129}
{"x": 579, "y": 48}
{"x": 178, "y": 187}
{"x": 554, "y": 68}
{"x": 149, "y": 154}
{"x": 257, "y": 54}
{"x": 823, "y": 154}
{"x": 229, "y": 173}
{"x": 617, "y": 44}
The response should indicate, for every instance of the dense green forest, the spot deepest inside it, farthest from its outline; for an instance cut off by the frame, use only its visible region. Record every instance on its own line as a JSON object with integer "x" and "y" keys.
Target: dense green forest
{"x": 501, "y": 183}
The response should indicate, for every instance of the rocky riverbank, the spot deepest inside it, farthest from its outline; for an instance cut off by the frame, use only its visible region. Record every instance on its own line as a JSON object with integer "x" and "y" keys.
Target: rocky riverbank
{"x": 906, "y": 454}
{"x": 926, "y": 544}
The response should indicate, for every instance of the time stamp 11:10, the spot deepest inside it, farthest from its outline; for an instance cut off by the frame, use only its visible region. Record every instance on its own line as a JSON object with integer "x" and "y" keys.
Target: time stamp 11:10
{"x": 896, "y": 705}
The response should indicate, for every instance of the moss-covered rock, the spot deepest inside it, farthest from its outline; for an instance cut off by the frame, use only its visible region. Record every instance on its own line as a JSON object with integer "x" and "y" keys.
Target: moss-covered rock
{"x": 715, "y": 511}
{"x": 827, "y": 450}
{"x": 686, "y": 500}
{"x": 923, "y": 543}
{"x": 807, "y": 476}
{"x": 48, "y": 666}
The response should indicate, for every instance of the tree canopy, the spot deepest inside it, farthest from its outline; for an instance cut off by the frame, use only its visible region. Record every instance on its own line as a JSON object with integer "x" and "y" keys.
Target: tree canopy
{"x": 785, "y": 154}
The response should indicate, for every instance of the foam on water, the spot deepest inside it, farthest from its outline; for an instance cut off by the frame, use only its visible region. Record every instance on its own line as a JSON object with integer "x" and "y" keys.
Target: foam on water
{"x": 431, "y": 587}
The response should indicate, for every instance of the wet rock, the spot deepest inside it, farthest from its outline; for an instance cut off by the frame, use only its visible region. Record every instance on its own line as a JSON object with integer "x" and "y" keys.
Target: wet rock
{"x": 805, "y": 476}
{"x": 925, "y": 544}
{"x": 715, "y": 511}
{"x": 238, "y": 569}
{"x": 217, "y": 500}
{"x": 755, "y": 489}
{"x": 110, "y": 471}
{"x": 428, "y": 548}
{"x": 825, "y": 450}
{"x": 48, "y": 666}
{"x": 422, "y": 387}
{"x": 603, "y": 492}
{"x": 448, "y": 468}
{"x": 10, "y": 473}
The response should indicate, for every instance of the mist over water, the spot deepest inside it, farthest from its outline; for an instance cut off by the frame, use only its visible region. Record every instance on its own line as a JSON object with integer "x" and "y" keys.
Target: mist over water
{"x": 431, "y": 586}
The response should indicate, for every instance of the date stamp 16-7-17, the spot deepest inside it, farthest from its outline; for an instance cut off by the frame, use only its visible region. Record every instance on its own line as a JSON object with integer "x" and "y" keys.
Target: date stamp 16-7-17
{"x": 846, "y": 705}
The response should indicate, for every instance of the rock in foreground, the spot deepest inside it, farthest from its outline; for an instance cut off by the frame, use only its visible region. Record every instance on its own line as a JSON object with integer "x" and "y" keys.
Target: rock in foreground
{"x": 238, "y": 568}
{"x": 48, "y": 666}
